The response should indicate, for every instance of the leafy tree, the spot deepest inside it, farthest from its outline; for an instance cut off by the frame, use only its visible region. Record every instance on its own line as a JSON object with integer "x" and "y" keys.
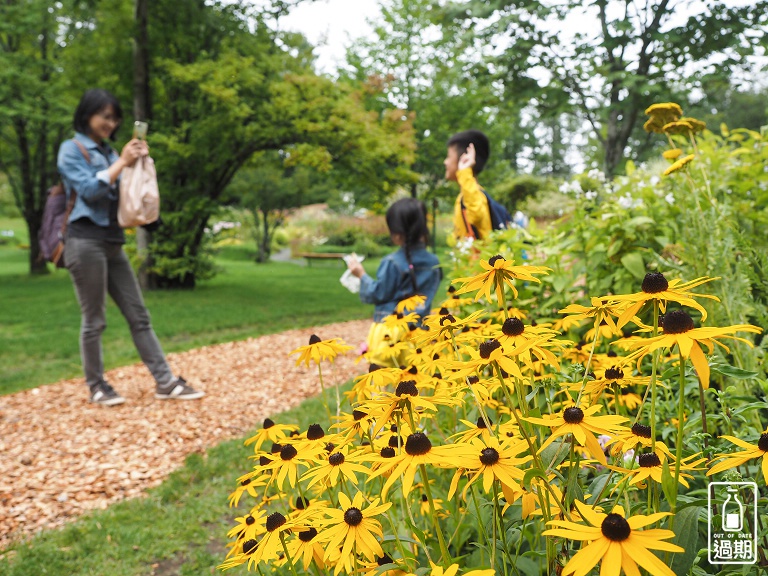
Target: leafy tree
{"x": 626, "y": 55}
{"x": 33, "y": 112}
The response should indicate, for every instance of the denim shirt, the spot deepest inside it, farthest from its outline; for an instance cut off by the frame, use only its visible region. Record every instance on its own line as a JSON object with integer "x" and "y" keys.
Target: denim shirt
{"x": 91, "y": 181}
{"x": 393, "y": 282}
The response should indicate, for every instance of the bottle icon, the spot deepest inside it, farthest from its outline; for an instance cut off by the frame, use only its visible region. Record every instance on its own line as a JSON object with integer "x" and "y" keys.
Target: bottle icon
{"x": 733, "y": 511}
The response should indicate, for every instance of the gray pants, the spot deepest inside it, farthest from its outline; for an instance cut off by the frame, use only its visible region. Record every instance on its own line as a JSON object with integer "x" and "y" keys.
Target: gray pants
{"x": 97, "y": 268}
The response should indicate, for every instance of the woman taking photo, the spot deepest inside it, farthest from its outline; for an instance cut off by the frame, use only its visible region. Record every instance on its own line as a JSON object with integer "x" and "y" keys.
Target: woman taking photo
{"x": 93, "y": 248}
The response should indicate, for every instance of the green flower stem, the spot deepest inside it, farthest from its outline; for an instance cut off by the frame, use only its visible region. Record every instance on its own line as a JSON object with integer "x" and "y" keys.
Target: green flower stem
{"x": 534, "y": 454}
{"x": 443, "y": 548}
{"x": 703, "y": 409}
{"x": 589, "y": 361}
{"x": 500, "y": 519}
{"x": 325, "y": 395}
{"x": 400, "y": 546}
{"x": 413, "y": 522}
{"x": 680, "y": 426}
{"x": 288, "y": 555}
{"x": 483, "y": 533}
{"x": 654, "y": 368}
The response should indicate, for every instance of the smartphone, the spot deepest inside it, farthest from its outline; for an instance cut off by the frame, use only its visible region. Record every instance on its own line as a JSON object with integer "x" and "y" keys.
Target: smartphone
{"x": 140, "y": 130}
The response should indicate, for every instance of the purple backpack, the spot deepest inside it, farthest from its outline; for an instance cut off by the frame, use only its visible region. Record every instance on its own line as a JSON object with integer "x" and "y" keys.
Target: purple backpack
{"x": 55, "y": 215}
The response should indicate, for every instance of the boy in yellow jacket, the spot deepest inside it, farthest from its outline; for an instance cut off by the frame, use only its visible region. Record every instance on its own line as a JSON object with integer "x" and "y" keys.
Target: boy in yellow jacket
{"x": 468, "y": 152}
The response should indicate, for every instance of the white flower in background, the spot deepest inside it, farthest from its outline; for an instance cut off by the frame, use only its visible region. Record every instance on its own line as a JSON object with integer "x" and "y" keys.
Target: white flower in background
{"x": 626, "y": 201}
{"x": 590, "y": 195}
{"x": 655, "y": 180}
{"x": 607, "y": 216}
{"x": 224, "y": 225}
{"x": 319, "y": 240}
{"x": 629, "y": 458}
{"x": 670, "y": 198}
{"x": 596, "y": 174}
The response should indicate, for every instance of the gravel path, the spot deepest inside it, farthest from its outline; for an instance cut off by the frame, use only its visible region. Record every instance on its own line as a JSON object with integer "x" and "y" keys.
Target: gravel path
{"x": 61, "y": 456}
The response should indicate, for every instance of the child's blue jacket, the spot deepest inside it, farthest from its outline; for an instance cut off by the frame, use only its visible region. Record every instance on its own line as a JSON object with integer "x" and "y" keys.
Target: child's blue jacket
{"x": 393, "y": 282}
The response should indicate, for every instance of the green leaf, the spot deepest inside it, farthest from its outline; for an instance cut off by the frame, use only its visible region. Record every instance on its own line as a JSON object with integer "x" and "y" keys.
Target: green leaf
{"x": 733, "y": 372}
{"x": 531, "y": 474}
{"x": 668, "y": 482}
{"x": 638, "y": 221}
{"x": 687, "y": 537}
{"x": 559, "y": 448}
{"x": 635, "y": 264}
{"x": 596, "y": 487}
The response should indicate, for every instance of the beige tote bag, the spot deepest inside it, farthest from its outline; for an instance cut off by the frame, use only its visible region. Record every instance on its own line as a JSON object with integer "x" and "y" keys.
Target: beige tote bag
{"x": 139, "y": 195}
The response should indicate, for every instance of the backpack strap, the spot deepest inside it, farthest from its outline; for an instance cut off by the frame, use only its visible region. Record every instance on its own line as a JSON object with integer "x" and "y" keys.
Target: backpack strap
{"x": 72, "y": 196}
{"x": 471, "y": 230}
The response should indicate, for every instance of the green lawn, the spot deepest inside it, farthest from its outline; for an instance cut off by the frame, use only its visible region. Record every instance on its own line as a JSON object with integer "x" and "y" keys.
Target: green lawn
{"x": 179, "y": 528}
{"x": 40, "y": 318}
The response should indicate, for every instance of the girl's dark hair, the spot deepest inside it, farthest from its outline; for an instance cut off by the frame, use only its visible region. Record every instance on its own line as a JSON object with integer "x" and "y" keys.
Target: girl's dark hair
{"x": 462, "y": 140}
{"x": 94, "y": 101}
{"x": 408, "y": 217}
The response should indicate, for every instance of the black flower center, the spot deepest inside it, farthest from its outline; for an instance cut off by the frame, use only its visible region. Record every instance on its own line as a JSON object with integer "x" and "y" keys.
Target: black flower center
{"x": 387, "y": 452}
{"x": 443, "y": 311}
{"x": 314, "y": 339}
{"x": 301, "y": 503}
{"x": 353, "y": 516}
{"x": 473, "y": 379}
{"x": 489, "y": 456}
{"x": 641, "y": 430}
{"x": 336, "y": 459}
{"x": 417, "y": 444}
{"x": 245, "y": 482}
{"x": 264, "y": 460}
{"x": 513, "y": 327}
{"x": 481, "y": 422}
{"x": 487, "y": 348}
{"x": 274, "y": 521}
{"x": 249, "y": 520}
{"x": 424, "y": 498}
{"x": 288, "y": 452}
{"x": 386, "y": 559}
{"x": 249, "y": 546}
{"x": 614, "y": 373}
{"x": 615, "y": 527}
{"x": 315, "y": 432}
{"x": 407, "y": 388}
{"x": 654, "y": 282}
{"x": 612, "y": 354}
{"x": 763, "y": 442}
{"x": 493, "y": 259}
{"x": 394, "y": 441}
{"x": 649, "y": 460}
{"x": 358, "y": 414}
{"x": 307, "y": 535}
{"x": 393, "y": 428}
{"x": 329, "y": 447}
{"x": 268, "y": 423}
{"x": 413, "y": 370}
{"x": 677, "y": 322}
{"x": 373, "y": 367}
{"x": 447, "y": 319}
{"x": 276, "y": 447}
{"x": 573, "y": 415}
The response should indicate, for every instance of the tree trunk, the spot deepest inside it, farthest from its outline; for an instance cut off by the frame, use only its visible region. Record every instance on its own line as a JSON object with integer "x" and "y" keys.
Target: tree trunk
{"x": 265, "y": 248}
{"x": 141, "y": 111}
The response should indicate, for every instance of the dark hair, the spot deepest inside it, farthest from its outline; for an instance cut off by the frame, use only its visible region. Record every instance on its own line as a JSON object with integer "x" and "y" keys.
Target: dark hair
{"x": 462, "y": 140}
{"x": 408, "y": 217}
{"x": 94, "y": 101}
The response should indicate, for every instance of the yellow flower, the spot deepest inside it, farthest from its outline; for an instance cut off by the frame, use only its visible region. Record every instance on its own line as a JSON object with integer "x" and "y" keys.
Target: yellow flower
{"x": 318, "y": 350}
{"x": 337, "y": 466}
{"x": 678, "y": 165}
{"x": 270, "y": 431}
{"x": 697, "y": 125}
{"x": 602, "y": 311}
{"x": 248, "y": 484}
{"x": 442, "y": 326}
{"x": 656, "y": 287}
{"x": 672, "y": 154}
{"x": 527, "y": 340}
{"x": 352, "y": 530}
{"x": 677, "y": 127}
{"x": 639, "y": 434}
{"x": 498, "y": 273}
{"x": 611, "y": 376}
{"x": 488, "y": 352}
{"x": 410, "y": 304}
{"x": 419, "y": 450}
{"x": 285, "y": 464}
{"x": 307, "y": 547}
{"x": 493, "y": 460}
{"x": 583, "y": 425}
{"x": 651, "y": 466}
{"x": 750, "y": 452}
{"x": 617, "y": 541}
{"x": 453, "y": 570}
{"x": 663, "y": 113}
{"x": 679, "y": 329}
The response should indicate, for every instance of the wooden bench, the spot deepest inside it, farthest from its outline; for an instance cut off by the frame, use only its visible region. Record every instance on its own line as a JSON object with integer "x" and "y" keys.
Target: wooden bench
{"x": 309, "y": 256}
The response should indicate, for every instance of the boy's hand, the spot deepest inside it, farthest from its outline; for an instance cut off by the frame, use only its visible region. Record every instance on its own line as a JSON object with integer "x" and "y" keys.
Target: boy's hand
{"x": 355, "y": 267}
{"x": 467, "y": 159}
